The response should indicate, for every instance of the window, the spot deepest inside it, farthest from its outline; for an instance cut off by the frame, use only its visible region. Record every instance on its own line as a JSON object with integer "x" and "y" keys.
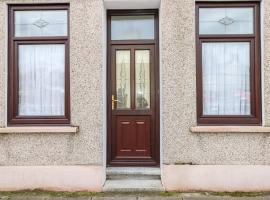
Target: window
{"x": 228, "y": 63}
{"x": 135, "y": 27}
{"x": 38, "y": 65}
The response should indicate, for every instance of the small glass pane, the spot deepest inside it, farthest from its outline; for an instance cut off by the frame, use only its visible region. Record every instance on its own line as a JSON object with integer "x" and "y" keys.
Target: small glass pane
{"x": 132, "y": 27}
{"x": 123, "y": 78}
{"x": 226, "y": 78}
{"x": 226, "y": 21}
{"x": 41, "y": 23}
{"x": 142, "y": 64}
{"x": 42, "y": 80}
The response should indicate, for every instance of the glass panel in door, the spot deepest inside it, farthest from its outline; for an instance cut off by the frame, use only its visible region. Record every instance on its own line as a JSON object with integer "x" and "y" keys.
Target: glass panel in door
{"x": 142, "y": 70}
{"x": 123, "y": 79}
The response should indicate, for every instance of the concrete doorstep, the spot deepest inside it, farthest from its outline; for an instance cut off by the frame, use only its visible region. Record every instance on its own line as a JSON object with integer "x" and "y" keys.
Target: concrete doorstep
{"x": 133, "y": 179}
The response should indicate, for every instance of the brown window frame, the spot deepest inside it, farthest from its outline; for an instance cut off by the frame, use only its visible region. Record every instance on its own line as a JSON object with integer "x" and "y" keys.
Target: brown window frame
{"x": 13, "y": 79}
{"x": 255, "y": 68}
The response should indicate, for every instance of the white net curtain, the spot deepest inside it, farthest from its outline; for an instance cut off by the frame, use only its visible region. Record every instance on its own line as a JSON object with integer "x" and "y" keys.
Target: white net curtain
{"x": 42, "y": 80}
{"x": 226, "y": 78}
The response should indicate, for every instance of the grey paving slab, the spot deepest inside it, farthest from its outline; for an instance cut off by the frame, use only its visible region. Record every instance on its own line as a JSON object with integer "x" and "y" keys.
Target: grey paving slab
{"x": 79, "y": 198}
{"x": 225, "y": 198}
{"x": 43, "y": 198}
{"x": 160, "y": 198}
{"x": 115, "y": 198}
{"x": 23, "y": 197}
{"x": 4, "y": 197}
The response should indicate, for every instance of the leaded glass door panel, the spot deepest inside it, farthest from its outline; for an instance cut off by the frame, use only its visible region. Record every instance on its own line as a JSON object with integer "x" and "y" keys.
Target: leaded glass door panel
{"x": 133, "y": 103}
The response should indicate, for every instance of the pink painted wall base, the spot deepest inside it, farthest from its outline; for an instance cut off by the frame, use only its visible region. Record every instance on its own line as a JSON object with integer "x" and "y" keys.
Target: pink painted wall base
{"x": 246, "y": 178}
{"x": 53, "y": 178}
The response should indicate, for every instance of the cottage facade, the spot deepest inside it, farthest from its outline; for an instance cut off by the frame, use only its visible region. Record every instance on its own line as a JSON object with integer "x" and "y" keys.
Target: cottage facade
{"x": 178, "y": 85}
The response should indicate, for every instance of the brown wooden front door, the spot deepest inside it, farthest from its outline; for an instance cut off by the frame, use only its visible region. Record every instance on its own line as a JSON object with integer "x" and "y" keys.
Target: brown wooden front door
{"x": 133, "y": 106}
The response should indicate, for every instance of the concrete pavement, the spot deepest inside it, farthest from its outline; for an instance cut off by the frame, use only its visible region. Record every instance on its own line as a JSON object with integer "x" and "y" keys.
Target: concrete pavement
{"x": 127, "y": 196}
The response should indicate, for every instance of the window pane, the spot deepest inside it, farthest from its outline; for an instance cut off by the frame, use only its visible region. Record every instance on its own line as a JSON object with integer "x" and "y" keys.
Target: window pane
{"x": 123, "y": 78}
{"x": 40, "y": 23}
{"x": 41, "y": 80}
{"x": 226, "y": 78}
{"x": 226, "y": 20}
{"x": 142, "y": 63}
{"x": 132, "y": 27}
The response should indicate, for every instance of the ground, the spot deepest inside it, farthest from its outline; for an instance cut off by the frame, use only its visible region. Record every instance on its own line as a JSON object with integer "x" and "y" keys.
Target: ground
{"x": 41, "y": 195}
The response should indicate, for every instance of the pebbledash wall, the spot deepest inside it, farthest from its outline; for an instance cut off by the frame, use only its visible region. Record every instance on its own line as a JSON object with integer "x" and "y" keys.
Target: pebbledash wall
{"x": 219, "y": 159}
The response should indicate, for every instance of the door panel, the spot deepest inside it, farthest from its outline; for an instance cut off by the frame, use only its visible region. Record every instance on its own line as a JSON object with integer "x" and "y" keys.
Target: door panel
{"x": 125, "y": 136}
{"x": 133, "y": 136}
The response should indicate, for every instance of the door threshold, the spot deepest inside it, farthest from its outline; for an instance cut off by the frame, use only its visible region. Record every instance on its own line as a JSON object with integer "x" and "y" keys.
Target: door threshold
{"x": 133, "y": 170}
{"x": 133, "y": 163}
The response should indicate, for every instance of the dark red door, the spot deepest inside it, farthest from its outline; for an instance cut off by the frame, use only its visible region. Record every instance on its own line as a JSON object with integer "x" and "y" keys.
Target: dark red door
{"x": 132, "y": 105}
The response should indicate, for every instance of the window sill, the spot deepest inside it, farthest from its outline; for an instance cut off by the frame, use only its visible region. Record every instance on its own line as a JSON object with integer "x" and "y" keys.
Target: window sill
{"x": 40, "y": 129}
{"x": 230, "y": 129}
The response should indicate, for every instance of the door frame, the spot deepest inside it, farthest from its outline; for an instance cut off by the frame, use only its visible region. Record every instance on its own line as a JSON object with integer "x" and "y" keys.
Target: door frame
{"x": 154, "y": 42}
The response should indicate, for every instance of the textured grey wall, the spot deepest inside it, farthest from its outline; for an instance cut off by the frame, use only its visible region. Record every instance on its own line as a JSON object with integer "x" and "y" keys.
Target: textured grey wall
{"x": 86, "y": 59}
{"x": 179, "y": 97}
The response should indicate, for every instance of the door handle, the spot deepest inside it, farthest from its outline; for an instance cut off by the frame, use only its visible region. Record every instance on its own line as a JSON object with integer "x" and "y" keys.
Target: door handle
{"x": 113, "y": 102}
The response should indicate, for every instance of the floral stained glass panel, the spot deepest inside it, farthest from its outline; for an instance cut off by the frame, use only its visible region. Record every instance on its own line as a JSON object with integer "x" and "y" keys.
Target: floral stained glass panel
{"x": 142, "y": 64}
{"x": 123, "y": 78}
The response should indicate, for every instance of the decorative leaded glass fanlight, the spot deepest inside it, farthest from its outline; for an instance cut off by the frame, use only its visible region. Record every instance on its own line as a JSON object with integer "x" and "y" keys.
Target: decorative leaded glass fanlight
{"x": 226, "y": 21}
{"x": 40, "y": 23}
